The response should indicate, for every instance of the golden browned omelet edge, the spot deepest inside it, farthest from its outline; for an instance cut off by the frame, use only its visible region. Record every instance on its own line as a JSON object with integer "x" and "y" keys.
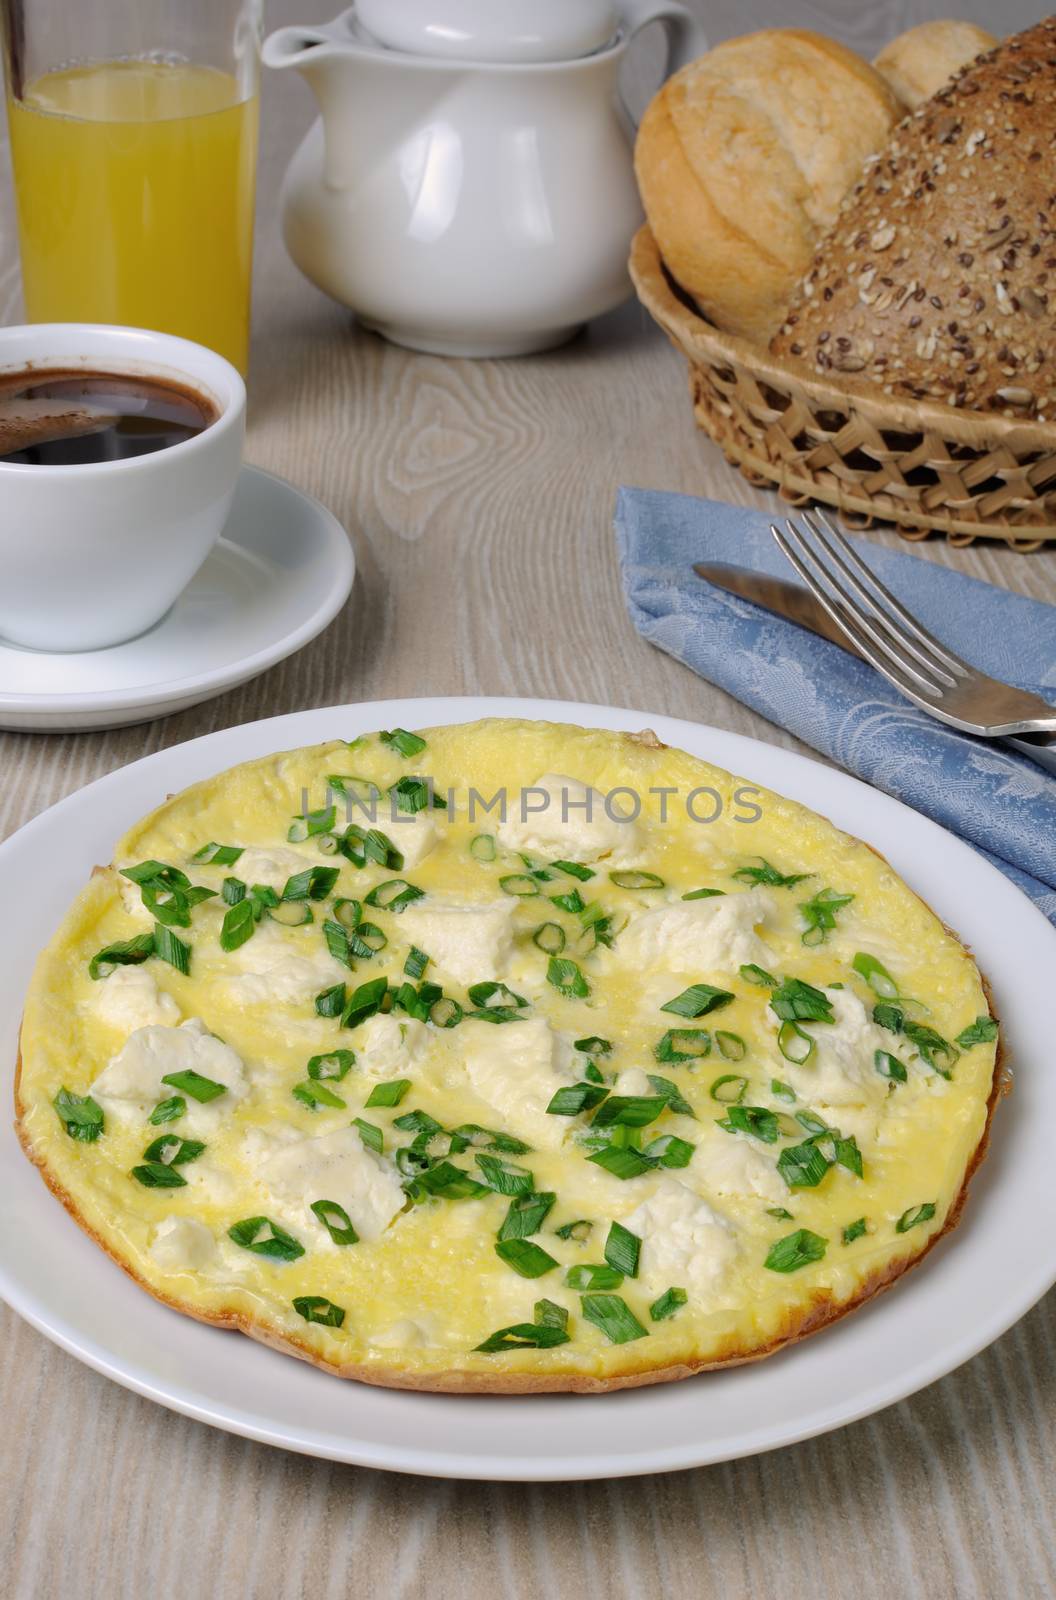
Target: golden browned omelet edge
{"x": 811, "y": 1319}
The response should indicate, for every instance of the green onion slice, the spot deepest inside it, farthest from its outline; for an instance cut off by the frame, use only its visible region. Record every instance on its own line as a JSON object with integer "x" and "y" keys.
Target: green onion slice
{"x": 387, "y": 1094}
{"x": 669, "y": 1302}
{"x": 982, "y": 1031}
{"x": 404, "y": 743}
{"x": 578, "y": 1230}
{"x": 593, "y": 1276}
{"x": 173, "y": 1151}
{"x": 698, "y": 1000}
{"x": 239, "y": 925}
{"x": 524, "y": 1336}
{"x": 876, "y": 975}
{"x": 731, "y": 1045}
{"x": 445, "y": 1013}
{"x": 520, "y": 884}
{"x": 167, "y": 947}
{"x": 416, "y": 963}
{"x": 332, "y": 1066}
{"x": 758, "y": 975}
{"x": 168, "y": 1110}
{"x": 729, "y": 1090}
{"x": 566, "y": 978}
{"x": 123, "y": 953}
{"x": 314, "y": 1094}
{"x": 613, "y": 1317}
{"x": 683, "y": 1044}
{"x": 636, "y": 880}
{"x": 265, "y": 1238}
{"x": 525, "y": 1257}
{"x": 80, "y": 1115}
{"x": 574, "y": 869}
{"x": 782, "y": 1091}
{"x": 365, "y": 1001}
{"x": 190, "y": 1082}
{"x": 503, "y": 1176}
{"x": 156, "y": 1175}
{"x": 394, "y": 895}
{"x": 669, "y": 1151}
{"x": 703, "y": 894}
{"x": 482, "y": 848}
{"x": 317, "y": 1308}
{"x": 670, "y": 1092}
{"x": 796, "y": 1250}
{"x": 756, "y": 1120}
{"x": 796, "y": 1001}
{"x": 854, "y": 1230}
{"x": 526, "y": 1215}
{"x": 550, "y": 938}
{"x": 628, "y": 1110}
{"x": 594, "y": 1046}
{"x": 622, "y": 1163}
{"x": 622, "y": 1251}
{"x": 914, "y": 1216}
{"x": 766, "y": 874}
{"x": 802, "y": 1165}
{"x": 939, "y": 1054}
{"x": 889, "y": 1066}
{"x": 794, "y": 1043}
{"x": 336, "y": 1220}
{"x": 216, "y": 855}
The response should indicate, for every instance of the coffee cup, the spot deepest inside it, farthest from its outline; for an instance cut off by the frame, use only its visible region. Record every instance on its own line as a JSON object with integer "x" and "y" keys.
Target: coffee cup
{"x": 95, "y": 552}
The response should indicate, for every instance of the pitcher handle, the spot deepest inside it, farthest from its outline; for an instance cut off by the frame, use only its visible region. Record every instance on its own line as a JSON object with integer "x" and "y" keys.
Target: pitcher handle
{"x": 686, "y": 38}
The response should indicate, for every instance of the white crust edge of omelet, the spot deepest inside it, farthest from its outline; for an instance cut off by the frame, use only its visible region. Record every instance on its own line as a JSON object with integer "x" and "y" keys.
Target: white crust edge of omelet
{"x": 820, "y": 1313}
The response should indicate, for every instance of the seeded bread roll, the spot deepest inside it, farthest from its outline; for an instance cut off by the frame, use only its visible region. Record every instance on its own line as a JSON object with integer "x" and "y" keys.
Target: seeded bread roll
{"x": 923, "y": 59}
{"x": 937, "y": 281}
{"x": 742, "y": 160}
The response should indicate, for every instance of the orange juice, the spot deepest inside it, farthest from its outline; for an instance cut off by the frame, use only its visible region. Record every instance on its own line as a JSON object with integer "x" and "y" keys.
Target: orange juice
{"x": 134, "y": 183}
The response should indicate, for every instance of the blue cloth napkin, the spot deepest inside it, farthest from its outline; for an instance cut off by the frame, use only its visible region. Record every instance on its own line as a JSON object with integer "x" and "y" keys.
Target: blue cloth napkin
{"x": 998, "y": 800}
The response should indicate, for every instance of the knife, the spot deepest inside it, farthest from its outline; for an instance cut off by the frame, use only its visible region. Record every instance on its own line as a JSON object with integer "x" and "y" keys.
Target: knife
{"x": 798, "y": 605}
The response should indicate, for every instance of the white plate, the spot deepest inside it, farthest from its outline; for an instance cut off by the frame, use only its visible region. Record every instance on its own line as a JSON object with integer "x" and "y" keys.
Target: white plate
{"x": 973, "y": 1287}
{"x": 281, "y": 571}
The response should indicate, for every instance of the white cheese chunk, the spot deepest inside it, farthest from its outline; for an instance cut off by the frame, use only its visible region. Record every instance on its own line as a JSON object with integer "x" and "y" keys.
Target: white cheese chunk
{"x": 516, "y": 1067}
{"x": 414, "y": 835}
{"x": 685, "y": 1243}
{"x": 841, "y": 1071}
{"x": 336, "y": 1166}
{"x": 401, "y": 1335}
{"x": 182, "y": 1244}
{"x": 279, "y": 967}
{"x": 274, "y": 866}
{"x": 730, "y": 1164}
{"x": 560, "y": 816}
{"x": 131, "y": 1084}
{"x": 633, "y": 1081}
{"x": 471, "y": 943}
{"x": 386, "y": 1045}
{"x": 130, "y": 998}
{"x": 699, "y": 936}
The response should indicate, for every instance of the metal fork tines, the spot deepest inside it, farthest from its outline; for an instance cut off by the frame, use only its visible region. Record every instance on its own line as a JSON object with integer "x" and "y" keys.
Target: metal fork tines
{"x": 893, "y": 641}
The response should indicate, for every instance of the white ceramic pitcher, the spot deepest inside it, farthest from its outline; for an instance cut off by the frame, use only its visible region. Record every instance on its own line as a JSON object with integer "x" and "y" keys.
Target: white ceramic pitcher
{"x": 468, "y": 188}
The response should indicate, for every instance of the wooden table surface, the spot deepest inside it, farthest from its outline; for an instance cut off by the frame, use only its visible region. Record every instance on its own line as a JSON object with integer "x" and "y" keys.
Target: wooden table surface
{"x": 480, "y": 499}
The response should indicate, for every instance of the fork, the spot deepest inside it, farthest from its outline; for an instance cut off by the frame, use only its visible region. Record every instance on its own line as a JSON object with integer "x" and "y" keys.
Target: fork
{"x": 882, "y": 631}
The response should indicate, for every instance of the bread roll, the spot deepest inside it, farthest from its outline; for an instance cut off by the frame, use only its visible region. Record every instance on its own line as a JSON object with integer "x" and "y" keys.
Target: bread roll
{"x": 939, "y": 279}
{"x": 742, "y": 161}
{"x": 920, "y": 61}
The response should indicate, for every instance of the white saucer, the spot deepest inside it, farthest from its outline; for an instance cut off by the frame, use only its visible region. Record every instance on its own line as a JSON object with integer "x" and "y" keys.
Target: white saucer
{"x": 281, "y": 571}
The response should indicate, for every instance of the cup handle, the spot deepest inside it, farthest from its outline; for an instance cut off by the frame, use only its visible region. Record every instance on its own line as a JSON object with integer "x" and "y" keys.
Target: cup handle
{"x": 686, "y": 38}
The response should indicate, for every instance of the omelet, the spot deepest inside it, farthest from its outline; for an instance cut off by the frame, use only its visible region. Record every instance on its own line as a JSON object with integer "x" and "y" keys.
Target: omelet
{"x": 505, "y": 1057}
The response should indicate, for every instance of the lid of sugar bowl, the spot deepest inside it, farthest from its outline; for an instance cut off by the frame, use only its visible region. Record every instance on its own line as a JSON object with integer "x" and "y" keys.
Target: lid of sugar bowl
{"x": 517, "y": 31}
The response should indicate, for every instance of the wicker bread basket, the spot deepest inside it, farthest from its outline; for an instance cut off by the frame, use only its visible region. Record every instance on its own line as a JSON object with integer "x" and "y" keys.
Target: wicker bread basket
{"x": 922, "y": 466}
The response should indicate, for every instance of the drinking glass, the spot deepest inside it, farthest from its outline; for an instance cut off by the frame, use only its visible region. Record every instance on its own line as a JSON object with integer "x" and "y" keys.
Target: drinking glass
{"x": 133, "y": 141}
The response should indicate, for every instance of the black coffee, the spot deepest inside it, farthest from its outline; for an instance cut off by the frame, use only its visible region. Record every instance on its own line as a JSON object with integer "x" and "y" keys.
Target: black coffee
{"x": 51, "y": 417}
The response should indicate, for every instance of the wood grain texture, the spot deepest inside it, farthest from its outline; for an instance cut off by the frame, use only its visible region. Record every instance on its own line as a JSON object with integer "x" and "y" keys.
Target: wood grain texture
{"x": 480, "y": 499}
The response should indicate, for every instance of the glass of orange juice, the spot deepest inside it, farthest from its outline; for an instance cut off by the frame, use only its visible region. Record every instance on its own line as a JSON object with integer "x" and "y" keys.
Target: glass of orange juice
{"x": 133, "y": 130}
